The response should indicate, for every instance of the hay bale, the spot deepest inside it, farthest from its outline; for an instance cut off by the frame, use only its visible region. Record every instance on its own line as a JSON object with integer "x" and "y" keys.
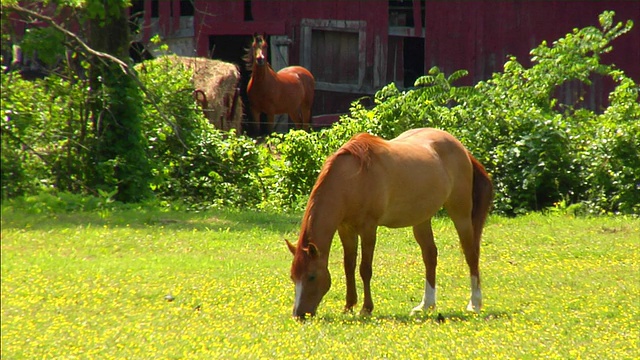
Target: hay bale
{"x": 217, "y": 91}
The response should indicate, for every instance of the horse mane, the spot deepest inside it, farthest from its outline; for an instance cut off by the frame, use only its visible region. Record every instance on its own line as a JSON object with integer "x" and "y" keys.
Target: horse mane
{"x": 360, "y": 147}
{"x": 248, "y": 58}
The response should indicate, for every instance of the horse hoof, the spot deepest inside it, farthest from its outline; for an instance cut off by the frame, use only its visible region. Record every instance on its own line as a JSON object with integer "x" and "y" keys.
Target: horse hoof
{"x": 365, "y": 312}
{"x": 475, "y": 308}
{"x": 422, "y": 308}
{"x": 348, "y": 310}
{"x": 416, "y": 310}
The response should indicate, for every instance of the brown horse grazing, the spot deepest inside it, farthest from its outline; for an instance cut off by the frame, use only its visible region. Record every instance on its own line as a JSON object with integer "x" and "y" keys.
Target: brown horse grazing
{"x": 370, "y": 182}
{"x": 289, "y": 91}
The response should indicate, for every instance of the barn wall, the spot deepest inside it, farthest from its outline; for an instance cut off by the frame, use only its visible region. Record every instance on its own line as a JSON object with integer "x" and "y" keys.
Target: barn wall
{"x": 285, "y": 18}
{"x": 479, "y": 35}
{"x": 458, "y": 34}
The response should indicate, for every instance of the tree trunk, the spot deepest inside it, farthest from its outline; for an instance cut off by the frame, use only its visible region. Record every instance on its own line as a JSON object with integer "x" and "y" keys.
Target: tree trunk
{"x": 119, "y": 151}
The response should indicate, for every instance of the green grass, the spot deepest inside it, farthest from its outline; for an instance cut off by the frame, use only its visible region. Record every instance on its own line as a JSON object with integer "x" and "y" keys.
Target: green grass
{"x": 93, "y": 285}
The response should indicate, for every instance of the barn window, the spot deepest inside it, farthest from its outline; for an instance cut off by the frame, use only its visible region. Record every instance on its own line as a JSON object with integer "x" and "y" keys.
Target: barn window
{"x": 334, "y": 52}
{"x": 186, "y": 8}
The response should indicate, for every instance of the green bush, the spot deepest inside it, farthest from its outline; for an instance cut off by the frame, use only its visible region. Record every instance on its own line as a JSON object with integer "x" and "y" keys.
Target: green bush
{"x": 541, "y": 153}
{"x": 197, "y": 164}
{"x": 538, "y": 151}
{"x": 612, "y": 159}
{"x": 44, "y": 135}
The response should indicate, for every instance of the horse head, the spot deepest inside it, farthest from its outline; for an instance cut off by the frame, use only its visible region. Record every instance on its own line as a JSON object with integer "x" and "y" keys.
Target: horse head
{"x": 259, "y": 49}
{"x": 310, "y": 274}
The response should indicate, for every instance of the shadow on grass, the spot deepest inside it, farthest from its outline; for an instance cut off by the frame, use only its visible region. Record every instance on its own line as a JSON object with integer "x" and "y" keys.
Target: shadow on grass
{"x": 419, "y": 319}
{"x": 144, "y": 217}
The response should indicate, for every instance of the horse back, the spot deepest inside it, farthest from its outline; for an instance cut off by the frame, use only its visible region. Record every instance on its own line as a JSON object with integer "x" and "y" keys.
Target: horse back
{"x": 298, "y": 75}
{"x": 451, "y": 155}
{"x": 422, "y": 169}
{"x": 401, "y": 182}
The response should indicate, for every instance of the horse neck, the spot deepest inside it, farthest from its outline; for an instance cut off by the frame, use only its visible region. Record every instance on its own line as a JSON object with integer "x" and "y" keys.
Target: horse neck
{"x": 263, "y": 73}
{"x": 321, "y": 222}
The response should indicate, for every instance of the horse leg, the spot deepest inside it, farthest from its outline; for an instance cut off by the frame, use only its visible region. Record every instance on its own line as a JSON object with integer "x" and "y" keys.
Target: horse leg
{"x": 424, "y": 236}
{"x": 255, "y": 126}
{"x": 350, "y": 245}
{"x": 270, "y": 123}
{"x": 368, "y": 239}
{"x": 461, "y": 216}
{"x": 471, "y": 250}
{"x": 306, "y": 117}
{"x": 295, "y": 117}
{"x": 307, "y": 104}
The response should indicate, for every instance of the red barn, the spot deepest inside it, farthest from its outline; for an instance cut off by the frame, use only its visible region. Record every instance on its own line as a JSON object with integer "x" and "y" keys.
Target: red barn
{"x": 354, "y": 47}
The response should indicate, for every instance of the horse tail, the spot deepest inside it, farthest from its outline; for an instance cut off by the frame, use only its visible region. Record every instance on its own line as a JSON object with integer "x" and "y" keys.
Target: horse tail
{"x": 482, "y": 197}
{"x": 309, "y": 83}
{"x": 309, "y": 88}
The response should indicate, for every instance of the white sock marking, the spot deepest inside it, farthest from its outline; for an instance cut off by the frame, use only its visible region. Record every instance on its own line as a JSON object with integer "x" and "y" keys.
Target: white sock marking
{"x": 475, "y": 304}
{"x": 428, "y": 300}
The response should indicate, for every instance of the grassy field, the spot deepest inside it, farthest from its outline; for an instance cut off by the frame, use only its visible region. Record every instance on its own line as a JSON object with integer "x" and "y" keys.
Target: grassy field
{"x": 96, "y": 285}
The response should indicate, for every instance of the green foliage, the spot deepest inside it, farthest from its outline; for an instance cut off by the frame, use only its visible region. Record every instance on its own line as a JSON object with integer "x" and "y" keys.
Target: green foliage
{"x": 612, "y": 159}
{"x": 120, "y": 147}
{"x": 200, "y": 165}
{"x": 294, "y": 170}
{"x": 47, "y": 41}
{"x": 49, "y": 203}
{"x": 96, "y": 122}
{"x": 44, "y": 135}
{"x": 119, "y": 151}
{"x": 221, "y": 170}
{"x": 101, "y": 9}
{"x": 539, "y": 151}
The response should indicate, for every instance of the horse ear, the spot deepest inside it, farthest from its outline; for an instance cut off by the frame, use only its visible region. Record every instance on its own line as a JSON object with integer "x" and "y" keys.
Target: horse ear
{"x": 291, "y": 247}
{"x": 312, "y": 250}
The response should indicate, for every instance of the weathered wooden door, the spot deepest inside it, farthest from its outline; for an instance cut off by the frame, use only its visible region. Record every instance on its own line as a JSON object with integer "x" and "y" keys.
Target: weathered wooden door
{"x": 279, "y": 45}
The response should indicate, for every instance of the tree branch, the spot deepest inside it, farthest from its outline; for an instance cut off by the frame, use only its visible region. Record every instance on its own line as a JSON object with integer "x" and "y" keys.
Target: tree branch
{"x": 103, "y": 56}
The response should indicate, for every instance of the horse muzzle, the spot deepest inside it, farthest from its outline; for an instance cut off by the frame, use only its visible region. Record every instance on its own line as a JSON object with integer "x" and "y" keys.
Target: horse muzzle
{"x": 302, "y": 315}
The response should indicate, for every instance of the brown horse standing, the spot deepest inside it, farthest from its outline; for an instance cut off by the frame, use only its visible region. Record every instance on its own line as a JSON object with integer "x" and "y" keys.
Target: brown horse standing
{"x": 289, "y": 91}
{"x": 370, "y": 182}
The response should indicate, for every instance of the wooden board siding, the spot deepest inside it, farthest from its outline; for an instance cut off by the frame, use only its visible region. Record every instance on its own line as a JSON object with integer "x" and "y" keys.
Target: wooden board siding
{"x": 335, "y": 50}
{"x": 334, "y": 56}
{"x": 358, "y": 46}
{"x": 286, "y": 17}
{"x": 479, "y": 35}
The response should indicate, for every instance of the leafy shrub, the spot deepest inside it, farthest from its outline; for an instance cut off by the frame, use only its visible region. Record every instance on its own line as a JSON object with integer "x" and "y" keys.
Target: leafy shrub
{"x": 197, "y": 164}
{"x": 44, "y": 135}
{"x": 538, "y": 152}
{"x": 612, "y": 159}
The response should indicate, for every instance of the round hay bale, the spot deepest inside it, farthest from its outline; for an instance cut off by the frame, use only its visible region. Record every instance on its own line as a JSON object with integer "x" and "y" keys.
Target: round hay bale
{"x": 217, "y": 90}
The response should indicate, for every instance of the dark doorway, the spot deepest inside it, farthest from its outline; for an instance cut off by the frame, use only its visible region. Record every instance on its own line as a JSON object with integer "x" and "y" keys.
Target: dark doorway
{"x": 413, "y": 54}
{"x": 229, "y": 48}
{"x": 401, "y": 12}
